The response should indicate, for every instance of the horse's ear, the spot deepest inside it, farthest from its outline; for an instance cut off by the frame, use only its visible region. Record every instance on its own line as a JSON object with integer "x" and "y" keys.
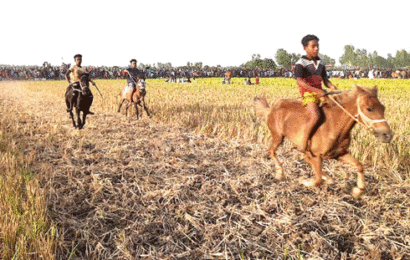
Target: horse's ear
{"x": 374, "y": 90}
{"x": 359, "y": 89}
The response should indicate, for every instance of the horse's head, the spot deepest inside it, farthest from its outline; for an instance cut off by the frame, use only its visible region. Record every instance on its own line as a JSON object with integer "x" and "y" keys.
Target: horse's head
{"x": 371, "y": 113}
{"x": 141, "y": 84}
{"x": 84, "y": 83}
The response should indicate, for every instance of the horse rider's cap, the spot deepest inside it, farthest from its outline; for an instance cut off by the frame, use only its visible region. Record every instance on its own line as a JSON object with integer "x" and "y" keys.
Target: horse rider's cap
{"x": 133, "y": 60}
{"x": 78, "y": 55}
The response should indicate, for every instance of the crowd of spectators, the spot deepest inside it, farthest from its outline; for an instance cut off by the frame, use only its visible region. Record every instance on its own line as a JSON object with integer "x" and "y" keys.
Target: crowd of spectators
{"x": 48, "y": 72}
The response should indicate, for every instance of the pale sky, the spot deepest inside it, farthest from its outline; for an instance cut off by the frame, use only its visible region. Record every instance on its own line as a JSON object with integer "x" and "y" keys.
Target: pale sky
{"x": 214, "y": 32}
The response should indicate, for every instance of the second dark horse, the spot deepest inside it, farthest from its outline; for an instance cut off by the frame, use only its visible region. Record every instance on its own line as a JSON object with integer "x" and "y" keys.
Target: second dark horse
{"x": 79, "y": 96}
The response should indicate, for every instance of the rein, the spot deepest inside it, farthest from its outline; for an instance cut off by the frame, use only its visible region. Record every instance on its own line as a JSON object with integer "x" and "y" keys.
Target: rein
{"x": 132, "y": 78}
{"x": 102, "y": 98}
{"x": 75, "y": 89}
{"x": 81, "y": 86}
{"x": 136, "y": 84}
{"x": 360, "y": 113}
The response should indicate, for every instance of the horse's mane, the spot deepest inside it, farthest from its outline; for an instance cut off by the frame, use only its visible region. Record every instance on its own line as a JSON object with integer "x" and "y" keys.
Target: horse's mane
{"x": 340, "y": 98}
{"x": 348, "y": 95}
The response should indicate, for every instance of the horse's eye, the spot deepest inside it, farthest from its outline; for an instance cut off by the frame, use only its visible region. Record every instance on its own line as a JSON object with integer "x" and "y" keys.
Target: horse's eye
{"x": 369, "y": 109}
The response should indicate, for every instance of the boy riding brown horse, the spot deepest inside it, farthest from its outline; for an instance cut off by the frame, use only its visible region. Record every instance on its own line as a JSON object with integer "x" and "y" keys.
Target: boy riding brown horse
{"x": 136, "y": 97}
{"x": 328, "y": 129}
{"x": 331, "y": 139}
{"x": 132, "y": 73}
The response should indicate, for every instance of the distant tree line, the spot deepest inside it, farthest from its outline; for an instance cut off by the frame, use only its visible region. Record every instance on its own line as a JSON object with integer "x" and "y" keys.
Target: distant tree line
{"x": 351, "y": 58}
{"x": 360, "y": 58}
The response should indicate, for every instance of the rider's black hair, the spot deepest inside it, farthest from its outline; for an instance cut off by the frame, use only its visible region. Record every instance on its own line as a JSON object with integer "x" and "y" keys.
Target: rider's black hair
{"x": 308, "y": 38}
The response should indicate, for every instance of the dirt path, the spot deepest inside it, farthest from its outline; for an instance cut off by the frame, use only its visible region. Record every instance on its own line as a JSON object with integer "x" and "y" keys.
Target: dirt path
{"x": 127, "y": 189}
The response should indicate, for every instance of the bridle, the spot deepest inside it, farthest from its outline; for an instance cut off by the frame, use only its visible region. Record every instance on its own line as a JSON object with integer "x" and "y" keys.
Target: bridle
{"x": 367, "y": 122}
{"x": 142, "y": 86}
{"x": 83, "y": 86}
{"x": 76, "y": 89}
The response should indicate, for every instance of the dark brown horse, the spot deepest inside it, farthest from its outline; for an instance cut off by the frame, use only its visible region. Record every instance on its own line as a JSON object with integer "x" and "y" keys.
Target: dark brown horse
{"x": 79, "y": 96}
{"x": 331, "y": 140}
{"x": 138, "y": 98}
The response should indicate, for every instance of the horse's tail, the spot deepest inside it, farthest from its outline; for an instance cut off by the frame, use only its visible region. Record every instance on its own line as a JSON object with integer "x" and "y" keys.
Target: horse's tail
{"x": 261, "y": 107}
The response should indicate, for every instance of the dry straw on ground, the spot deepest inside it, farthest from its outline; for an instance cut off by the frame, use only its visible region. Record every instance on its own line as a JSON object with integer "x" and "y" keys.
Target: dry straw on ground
{"x": 176, "y": 188}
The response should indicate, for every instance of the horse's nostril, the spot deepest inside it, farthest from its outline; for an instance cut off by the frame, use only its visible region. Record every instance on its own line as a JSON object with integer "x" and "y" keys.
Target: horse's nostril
{"x": 387, "y": 137}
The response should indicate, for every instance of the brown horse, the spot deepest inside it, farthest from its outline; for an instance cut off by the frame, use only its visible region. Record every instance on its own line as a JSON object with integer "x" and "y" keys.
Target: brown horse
{"x": 138, "y": 98}
{"x": 287, "y": 118}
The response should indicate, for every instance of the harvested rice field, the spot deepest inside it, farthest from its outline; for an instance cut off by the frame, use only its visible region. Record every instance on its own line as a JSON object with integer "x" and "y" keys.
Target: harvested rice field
{"x": 193, "y": 182}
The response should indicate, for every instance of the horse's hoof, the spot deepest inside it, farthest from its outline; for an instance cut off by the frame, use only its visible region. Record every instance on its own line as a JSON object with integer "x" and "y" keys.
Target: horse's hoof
{"x": 357, "y": 192}
{"x": 328, "y": 180}
{"x": 279, "y": 173}
{"x": 309, "y": 183}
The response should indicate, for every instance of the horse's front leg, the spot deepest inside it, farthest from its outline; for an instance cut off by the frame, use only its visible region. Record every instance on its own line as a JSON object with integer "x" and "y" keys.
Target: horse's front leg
{"x": 126, "y": 108}
{"x": 145, "y": 107}
{"x": 72, "y": 118}
{"x": 119, "y": 107}
{"x": 84, "y": 116}
{"x": 349, "y": 159}
{"x": 77, "y": 111}
{"x": 136, "y": 109}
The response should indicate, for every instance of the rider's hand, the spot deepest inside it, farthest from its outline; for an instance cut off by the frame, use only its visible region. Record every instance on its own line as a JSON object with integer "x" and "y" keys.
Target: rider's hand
{"x": 333, "y": 88}
{"x": 320, "y": 93}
